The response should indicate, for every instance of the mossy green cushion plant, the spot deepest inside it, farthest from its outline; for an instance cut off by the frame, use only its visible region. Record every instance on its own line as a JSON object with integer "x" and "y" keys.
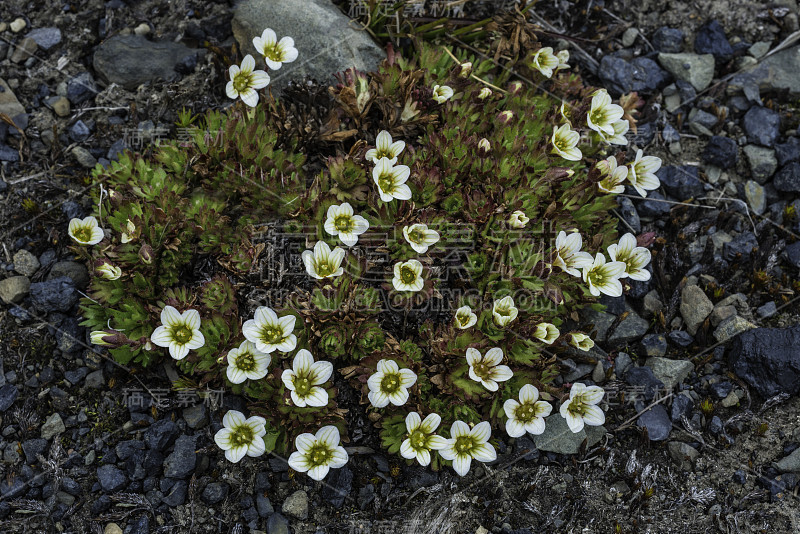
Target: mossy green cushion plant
{"x": 419, "y": 240}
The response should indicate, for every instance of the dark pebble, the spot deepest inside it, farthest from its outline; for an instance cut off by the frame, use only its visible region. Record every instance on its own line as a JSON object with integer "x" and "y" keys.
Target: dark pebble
{"x": 787, "y": 180}
{"x": 762, "y": 125}
{"x": 711, "y": 39}
{"x": 680, "y": 338}
{"x": 668, "y": 40}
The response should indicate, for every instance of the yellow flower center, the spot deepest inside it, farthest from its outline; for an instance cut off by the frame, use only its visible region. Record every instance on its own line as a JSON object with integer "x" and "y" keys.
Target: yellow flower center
{"x": 343, "y": 223}
{"x": 242, "y": 435}
{"x": 390, "y": 383}
{"x": 483, "y": 370}
{"x": 464, "y": 445}
{"x": 419, "y": 440}
{"x": 577, "y": 406}
{"x": 274, "y": 52}
{"x": 182, "y": 334}
{"x": 324, "y": 268}
{"x": 302, "y": 385}
{"x": 319, "y": 454}
{"x": 525, "y": 413}
{"x": 242, "y": 81}
{"x": 597, "y": 277}
{"x": 386, "y": 182}
{"x": 83, "y": 233}
{"x": 272, "y": 335}
{"x": 416, "y": 236}
{"x": 246, "y": 362}
{"x": 407, "y": 275}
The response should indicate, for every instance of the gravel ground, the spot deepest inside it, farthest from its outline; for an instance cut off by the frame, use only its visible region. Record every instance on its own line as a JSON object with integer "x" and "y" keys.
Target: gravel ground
{"x": 702, "y": 434}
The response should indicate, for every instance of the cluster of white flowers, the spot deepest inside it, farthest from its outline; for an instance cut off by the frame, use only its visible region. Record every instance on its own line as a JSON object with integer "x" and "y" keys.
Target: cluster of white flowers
{"x": 245, "y": 80}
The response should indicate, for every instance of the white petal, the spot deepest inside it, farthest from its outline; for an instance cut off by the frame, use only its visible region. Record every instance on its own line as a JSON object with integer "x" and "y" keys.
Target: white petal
{"x": 250, "y": 97}
{"x": 594, "y": 416}
{"x": 298, "y": 462}
{"x": 235, "y": 454}
{"x": 319, "y": 472}
{"x": 222, "y": 438}
{"x": 458, "y": 429}
{"x": 493, "y": 356}
{"x": 484, "y": 453}
{"x": 431, "y": 423}
{"x": 413, "y": 421}
{"x": 161, "y": 337}
{"x": 399, "y": 397}
{"x": 473, "y": 356}
{"x": 322, "y": 372}
{"x": 338, "y": 457}
{"x": 257, "y": 447}
{"x": 536, "y": 426}
{"x": 170, "y": 316}
{"x": 317, "y": 397}
{"x": 304, "y": 442}
{"x": 178, "y": 352}
{"x": 406, "y": 451}
{"x": 461, "y": 464}
{"x": 328, "y": 435}
{"x": 514, "y": 428}
{"x": 235, "y": 375}
{"x": 233, "y": 419}
{"x": 528, "y": 394}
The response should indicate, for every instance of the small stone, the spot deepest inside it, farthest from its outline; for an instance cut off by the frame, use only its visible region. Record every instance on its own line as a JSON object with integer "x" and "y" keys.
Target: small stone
{"x": 730, "y": 400}
{"x": 682, "y": 454}
{"x": 296, "y": 505}
{"x": 644, "y": 378}
{"x": 18, "y": 25}
{"x": 740, "y": 247}
{"x": 629, "y": 214}
{"x": 681, "y": 181}
{"x": 73, "y": 270}
{"x": 111, "y": 478}
{"x": 181, "y": 463}
{"x": 622, "y": 363}
{"x": 8, "y": 394}
{"x": 95, "y": 380}
{"x": 53, "y": 426}
{"x": 657, "y": 423}
{"x": 629, "y": 36}
{"x": 652, "y": 303}
{"x": 25, "y": 49}
{"x": 711, "y": 39}
{"x": 670, "y": 372}
{"x": 701, "y": 122}
{"x": 9, "y": 104}
{"x": 789, "y": 463}
{"x": 762, "y": 125}
{"x": 769, "y": 309}
{"x": 142, "y": 29}
{"x": 112, "y": 528}
{"x": 721, "y": 152}
{"x": 14, "y": 289}
{"x": 263, "y": 505}
{"x": 599, "y": 373}
{"x": 756, "y": 197}
{"x": 59, "y": 105}
{"x": 558, "y": 438}
{"x": 25, "y": 263}
{"x": 277, "y": 524}
{"x": 759, "y": 49}
{"x": 195, "y": 416}
{"x": 79, "y": 132}
{"x": 57, "y": 294}
{"x": 787, "y": 180}
{"x": 214, "y": 492}
{"x": 731, "y": 327}
{"x": 81, "y": 88}
{"x": 681, "y": 406}
{"x": 788, "y": 151}
{"x": 654, "y": 345}
{"x": 46, "y": 38}
{"x": 630, "y": 329}
{"x": 339, "y": 485}
{"x": 83, "y": 157}
{"x": 680, "y": 338}
{"x": 161, "y": 435}
{"x": 695, "y": 307}
{"x": 762, "y": 162}
{"x": 698, "y": 70}
{"x": 668, "y": 40}
{"x": 791, "y": 253}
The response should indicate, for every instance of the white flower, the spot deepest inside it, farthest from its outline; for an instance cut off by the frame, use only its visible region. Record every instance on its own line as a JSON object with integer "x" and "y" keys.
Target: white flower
{"x": 109, "y": 272}
{"x": 390, "y": 384}
{"x": 421, "y": 439}
{"x": 391, "y": 180}
{"x": 564, "y": 112}
{"x": 504, "y": 311}
{"x": 342, "y": 222}
{"x": 408, "y": 276}
{"x": 247, "y": 361}
{"x": 86, "y": 231}
{"x": 615, "y": 176}
{"x": 275, "y": 52}
{"x": 241, "y": 436}
{"x": 484, "y": 145}
{"x": 465, "y": 445}
{"x": 518, "y": 219}
{"x": 269, "y": 332}
{"x": 442, "y": 93}
{"x": 569, "y": 257}
{"x": 484, "y": 93}
{"x": 580, "y": 341}
{"x": 581, "y": 408}
{"x": 620, "y": 127}
{"x": 563, "y": 58}
{"x": 317, "y": 454}
{"x": 323, "y": 262}
{"x": 486, "y": 369}
{"x": 466, "y": 69}
{"x": 604, "y": 277}
{"x": 565, "y": 143}
{"x": 178, "y": 331}
{"x": 528, "y": 414}
{"x": 642, "y": 175}
{"x": 97, "y": 337}
{"x": 465, "y": 317}
{"x": 635, "y": 258}
{"x": 127, "y": 236}
{"x": 420, "y": 237}
{"x": 546, "y": 332}
{"x": 245, "y": 81}
{"x": 385, "y": 148}
{"x": 603, "y": 114}
{"x": 304, "y": 379}
{"x": 545, "y": 61}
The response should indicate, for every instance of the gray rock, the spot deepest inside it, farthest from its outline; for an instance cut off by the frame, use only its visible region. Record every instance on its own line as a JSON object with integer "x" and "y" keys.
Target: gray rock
{"x": 177, "y": 494}
{"x": 195, "y": 416}
{"x": 721, "y": 152}
{"x": 788, "y": 151}
{"x": 81, "y": 88}
{"x": 111, "y": 478}
{"x": 24, "y": 50}
{"x": 83, "y": 157}
{"x": 654, "y": 345}
{"x": 277, "y": 524}
{"x": 789, "y": 464}
{"x": 681, "y": 406}
{"x": 57, "y": 294}
{"x": 46, "y": 38}
{"x": 214, "y": 492}
{"x": 601, "y": 321}
{"x": 630, "y": 329}
{"x": 641, "y": 74}
{"x": 8, "y": 101}
{"x": 32, "y": 448}
{"x": 558, "y": 438}
{"x": 696, "y": 69}
{"x": 762, "y": 162}
{"x": 777, "y": 72}
{"x": 695, "y": 307}
{"x": 629, "y": 214}
{"x": 53, "y": 426}
{"x": 682, "y": 454}
{"x": 8, "y": 394}
{"x": 731, "y": 327}
{"x": 756, "y": 197}
{"x": 792, "y": 254}
{"x": 25, "y": 263}
{"x": 14, "y": 289}
{"x": 787, "y": 180}
{"x": 711, "y": 39}
{"x": 670, "y": 372}
{"x": 621, "y": 363}
{"x": 666, "y": 39}
{"x": 701, "y": 122}
{"x": 762, "y": 125}
{"x": 161, "y": 435}
{"x": 263, "y": 505}
{"x": 296, "y": 505}
{"x": 338, "y": 487}
{"x": 326, "y": 40}
{"x": 77, "y": 272}
{"x": 657, "y": 423}
{"x": 181, "y": 463}
{"x": 652, "y": 303}
{"x": 769, "y": 309}
{"x": 740, "y": 246}
{"x": 8, "y": 154}
{"x": 681, "y": 181}
{"x": 721, "y": 313}
{"x": 645, "y": 381}
{"x": 131, "y": 60}
{"x": 79, "y": 132}
{"x": 95, "y": 380}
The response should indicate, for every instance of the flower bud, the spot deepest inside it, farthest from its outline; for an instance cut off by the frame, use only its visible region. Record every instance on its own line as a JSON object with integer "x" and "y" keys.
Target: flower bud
{"x": 108, "y": 271}
{"x": 485, "y": 93}
{"x": 466, "y": 69}
{"x": 484, "y": 147}
{"x": 146, "y": 254}
{"x": 515, "y": 87}
{"x": 504, "y": 117}
{"x": 127, "y": 236}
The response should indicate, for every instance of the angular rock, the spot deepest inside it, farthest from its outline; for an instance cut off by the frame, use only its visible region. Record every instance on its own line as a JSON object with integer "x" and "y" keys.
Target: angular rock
{"x": 296, "y": 505}
{"x": 670, "y": 372}
{"x": 788, "y": 151}
{"x": 681, "y": 406}
{"x": 695, "y": 307}
{"x": 792, "y": 254}
{"x": 81, "y": 88}
{"x": 631, "y": 328}
{"x": 57, "y": 294}
{"x": 651, "y": 207}
{"x": 682, "y": 454}
{"x": 14, "y": 289}
{"x": 641, "y": 74}
{"x": 277, "y": 524}
{"x": 682, "y": 182}
{"x": 654, "y": 345}
{"x": 740, "y": 246}
{"x": 789, "y": 463}
{"x": 131, "y": 60}
{"x": 787, "y": 180}
{"x": 9, "y": 104}
{"x": 161, "y": 434}
{"x": 23, "y": 50}
{"x": 756, "y": 197}
{"x": 8, "y": 394}
{"x": 711, "y": 39}
{"x": 558, "y": 438}
{"x": 762, "y": 162}
{"x": 46, "y": 38}
{"x": 762, "y": 125}
{"x": 696, "y": 69}
{"x": 340, "y": 483}
{"x": 326, "y": 40}
{"x": 777, "y": 72}
{"x": 181, "y": 463}
{"x": 768, "y": 360}
{"x": 214, "y": 492}
{"x": 645, "y": 381}
{"x": 111, "y": 478}
{"x": 666, "y": 39}
{"x": 731, "y": 327}
{"x": 628, "y": 212}
{"x": 657, "y": 423}
{"x": 25, "y": 263}
{"x": 53, "y": 426}
{"x": 722, "y": 152}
